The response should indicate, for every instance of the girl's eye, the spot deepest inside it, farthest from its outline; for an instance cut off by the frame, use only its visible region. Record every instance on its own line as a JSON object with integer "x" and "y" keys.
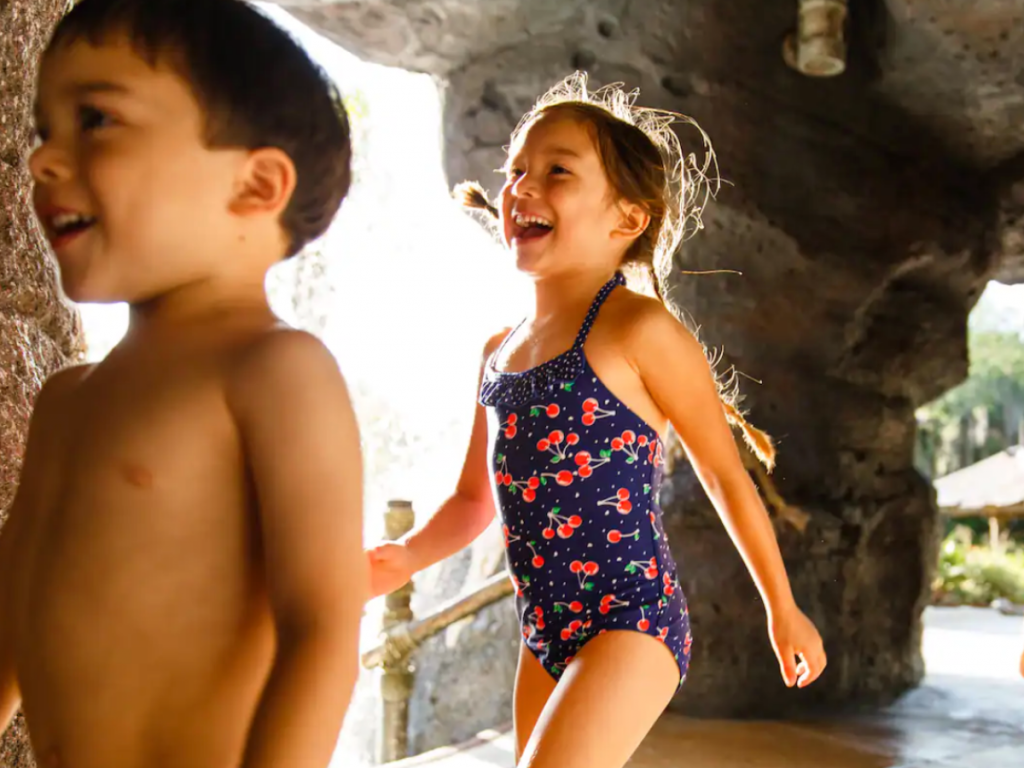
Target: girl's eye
{"x": 92, "y": 118}
{"x": 558, "y": 169}
{"x": 514, "y": 173}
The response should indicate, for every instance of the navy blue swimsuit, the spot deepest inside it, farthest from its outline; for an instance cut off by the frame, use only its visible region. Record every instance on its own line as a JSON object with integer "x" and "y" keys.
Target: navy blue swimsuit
{"x": 577, "y": 476}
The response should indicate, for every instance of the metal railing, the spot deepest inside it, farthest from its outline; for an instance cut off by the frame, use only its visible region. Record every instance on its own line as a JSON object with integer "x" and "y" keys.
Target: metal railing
{"x": 402, "y": 634}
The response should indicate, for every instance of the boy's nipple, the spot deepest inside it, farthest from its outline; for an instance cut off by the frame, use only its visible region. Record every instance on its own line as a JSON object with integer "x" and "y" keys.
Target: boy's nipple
{"x": 137, "y": 475}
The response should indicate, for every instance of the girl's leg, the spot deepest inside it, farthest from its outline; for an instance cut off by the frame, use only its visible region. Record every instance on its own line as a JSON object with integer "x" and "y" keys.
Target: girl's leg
{"x": 608, "y": 699}
{"x": 533, "y": 688}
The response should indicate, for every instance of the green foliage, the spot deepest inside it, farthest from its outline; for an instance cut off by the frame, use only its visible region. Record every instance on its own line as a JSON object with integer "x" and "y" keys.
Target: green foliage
{"x": 974, "y": 575}
{"x": 997, "y": 376}
{"x": 356, "y": 107}
{"x": 982, "y": 415}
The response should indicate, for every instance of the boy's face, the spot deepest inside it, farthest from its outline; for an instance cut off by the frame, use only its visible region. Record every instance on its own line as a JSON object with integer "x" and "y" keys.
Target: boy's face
{"x": 131, "y": 199}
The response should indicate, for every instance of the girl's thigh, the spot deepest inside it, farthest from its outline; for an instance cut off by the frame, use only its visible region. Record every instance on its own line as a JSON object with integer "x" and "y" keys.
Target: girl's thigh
{"x": 604, "y": 704}
{"x": 533, "y": 688}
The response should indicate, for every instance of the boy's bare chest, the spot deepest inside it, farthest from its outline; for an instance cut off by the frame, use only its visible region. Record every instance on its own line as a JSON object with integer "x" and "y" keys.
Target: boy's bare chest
{"x": 140, "y": 538}
{"x": 140, "y": 469}
{"x": 147, "y": 433}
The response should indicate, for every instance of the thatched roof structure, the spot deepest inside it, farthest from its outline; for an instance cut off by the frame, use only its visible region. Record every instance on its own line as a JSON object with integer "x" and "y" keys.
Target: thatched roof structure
{"x": 991, "y": 487}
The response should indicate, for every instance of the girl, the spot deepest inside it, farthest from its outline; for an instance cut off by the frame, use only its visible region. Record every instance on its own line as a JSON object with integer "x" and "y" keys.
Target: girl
{"x": 569, "y": 436}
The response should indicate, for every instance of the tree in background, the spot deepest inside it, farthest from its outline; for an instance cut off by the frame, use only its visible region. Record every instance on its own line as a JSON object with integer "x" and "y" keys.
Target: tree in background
{"x": 985, "y": 414}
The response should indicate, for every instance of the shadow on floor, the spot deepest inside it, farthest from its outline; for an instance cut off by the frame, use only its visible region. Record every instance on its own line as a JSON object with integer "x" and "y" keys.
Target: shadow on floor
{"x": 969, "y": 713}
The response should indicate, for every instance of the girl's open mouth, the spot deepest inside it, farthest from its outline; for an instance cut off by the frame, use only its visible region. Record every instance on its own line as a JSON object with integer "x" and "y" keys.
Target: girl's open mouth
{"x": 529, "y": 227}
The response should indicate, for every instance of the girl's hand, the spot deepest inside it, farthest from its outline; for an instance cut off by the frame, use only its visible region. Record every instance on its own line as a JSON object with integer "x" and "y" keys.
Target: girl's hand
{"x": 391, "y": 567}
{"x": 792, "y": 634}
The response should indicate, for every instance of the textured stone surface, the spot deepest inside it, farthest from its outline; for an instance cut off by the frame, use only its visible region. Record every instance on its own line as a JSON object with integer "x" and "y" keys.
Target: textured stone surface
{"x": 866, "y": 213}
{"x": 460, "y": 671}
{"x": 38, "y": 331}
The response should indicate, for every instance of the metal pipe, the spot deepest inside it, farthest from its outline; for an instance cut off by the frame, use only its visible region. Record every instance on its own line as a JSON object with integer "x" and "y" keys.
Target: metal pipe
{"x": 818, "y": 48}
{"x": 397, "y": 680}
{"x": 400, "y": 640}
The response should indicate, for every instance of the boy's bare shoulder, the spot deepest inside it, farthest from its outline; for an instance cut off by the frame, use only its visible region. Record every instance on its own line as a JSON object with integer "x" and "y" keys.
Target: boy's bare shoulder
{"x": 283, "y": 362}
{"x": 67, "y": 378}
{"x": 58, "y": 386}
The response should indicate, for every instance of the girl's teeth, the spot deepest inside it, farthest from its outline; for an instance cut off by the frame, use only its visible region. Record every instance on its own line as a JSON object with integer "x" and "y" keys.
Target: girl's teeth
{"x": 525, "y": 221}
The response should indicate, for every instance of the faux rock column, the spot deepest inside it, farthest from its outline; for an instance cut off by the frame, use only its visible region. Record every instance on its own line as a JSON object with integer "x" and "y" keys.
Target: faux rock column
{"x": 38, "y": 331}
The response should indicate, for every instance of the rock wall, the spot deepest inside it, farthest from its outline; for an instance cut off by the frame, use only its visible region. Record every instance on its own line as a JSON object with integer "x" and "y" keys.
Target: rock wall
{"x": 38, "y": 331}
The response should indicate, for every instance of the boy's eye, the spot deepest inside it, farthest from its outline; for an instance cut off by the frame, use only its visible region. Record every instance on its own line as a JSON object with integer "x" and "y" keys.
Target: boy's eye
{"x": 91, "y": 118}
{"x": 514, "y": 173}
{"x": 559, "y": 169}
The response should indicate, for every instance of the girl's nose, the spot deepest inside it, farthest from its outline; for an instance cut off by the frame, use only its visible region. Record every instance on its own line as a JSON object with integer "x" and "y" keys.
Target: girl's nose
{"x": 525, "y": 186}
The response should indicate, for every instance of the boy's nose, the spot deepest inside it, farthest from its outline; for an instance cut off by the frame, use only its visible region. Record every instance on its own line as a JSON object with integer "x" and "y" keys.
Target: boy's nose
{"x": 48, "y": 164}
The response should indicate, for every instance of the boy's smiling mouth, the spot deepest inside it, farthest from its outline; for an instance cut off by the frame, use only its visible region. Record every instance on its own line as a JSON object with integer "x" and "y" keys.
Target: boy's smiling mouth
{"x": 62, "y": 225}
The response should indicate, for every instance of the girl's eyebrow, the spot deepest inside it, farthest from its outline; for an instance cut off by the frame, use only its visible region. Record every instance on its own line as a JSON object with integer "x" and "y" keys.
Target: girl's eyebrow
{"x": 563, "y": 151}
{"x": 551, "y": 152}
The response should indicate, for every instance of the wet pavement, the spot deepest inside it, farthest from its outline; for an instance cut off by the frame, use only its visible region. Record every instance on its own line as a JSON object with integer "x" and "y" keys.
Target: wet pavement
{"x": 969, "y": 713}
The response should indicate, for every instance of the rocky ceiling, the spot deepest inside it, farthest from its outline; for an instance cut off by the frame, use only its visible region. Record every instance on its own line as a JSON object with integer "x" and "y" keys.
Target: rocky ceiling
{"x": 927, "y": 80}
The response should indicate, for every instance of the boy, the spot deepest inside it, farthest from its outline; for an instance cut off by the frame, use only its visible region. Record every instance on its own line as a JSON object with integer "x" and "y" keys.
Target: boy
{"x": 181, "y": 576}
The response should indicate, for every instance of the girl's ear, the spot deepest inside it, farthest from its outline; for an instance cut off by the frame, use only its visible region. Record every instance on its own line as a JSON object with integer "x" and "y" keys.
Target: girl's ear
{"x": 633, "y": 221}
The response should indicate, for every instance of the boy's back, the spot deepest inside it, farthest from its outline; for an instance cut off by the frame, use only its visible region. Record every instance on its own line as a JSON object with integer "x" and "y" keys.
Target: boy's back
{"x": 187, "y": 531}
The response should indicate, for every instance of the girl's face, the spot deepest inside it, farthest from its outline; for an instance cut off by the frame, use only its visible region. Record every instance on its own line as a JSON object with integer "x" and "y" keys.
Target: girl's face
{"x": 558, "y": 211}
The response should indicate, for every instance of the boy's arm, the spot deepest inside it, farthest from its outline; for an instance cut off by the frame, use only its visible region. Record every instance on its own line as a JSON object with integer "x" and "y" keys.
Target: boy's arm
{"x": 45, "y": 419}
{"x": 302, "y": 444}
{"x": 10, "y": 696}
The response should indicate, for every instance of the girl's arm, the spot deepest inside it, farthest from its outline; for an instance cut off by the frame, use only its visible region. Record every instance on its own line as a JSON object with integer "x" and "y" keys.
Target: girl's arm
{"x": 465, "y": 514}
{"x": 675, "y": 370}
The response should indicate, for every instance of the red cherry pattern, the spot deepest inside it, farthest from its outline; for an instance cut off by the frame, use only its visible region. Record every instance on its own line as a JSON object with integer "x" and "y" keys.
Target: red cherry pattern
{"x": 615, "y": 536}
{"x": 569, "y": 455}
{"x": 562, "y": 525}
{"x": 620, "y": 501}
{"x": 644, "y": 624}
{"x": 592, "y": 411}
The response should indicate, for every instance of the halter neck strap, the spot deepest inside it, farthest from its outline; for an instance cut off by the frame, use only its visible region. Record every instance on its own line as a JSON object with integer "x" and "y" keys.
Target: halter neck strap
{"x": 595, "y": 307}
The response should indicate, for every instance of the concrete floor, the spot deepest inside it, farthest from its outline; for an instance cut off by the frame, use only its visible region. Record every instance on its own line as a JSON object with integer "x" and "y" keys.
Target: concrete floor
{"x": 968, "y": 714}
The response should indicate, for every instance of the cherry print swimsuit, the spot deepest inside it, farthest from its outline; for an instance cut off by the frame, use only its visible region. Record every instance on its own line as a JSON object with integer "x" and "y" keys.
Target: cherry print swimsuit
{"x": 577, "y": 476}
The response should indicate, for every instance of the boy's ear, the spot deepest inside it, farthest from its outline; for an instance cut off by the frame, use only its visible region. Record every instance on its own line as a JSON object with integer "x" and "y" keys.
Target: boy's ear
{"x": 633, "y": 221}
{"x": 265, "y": 183}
